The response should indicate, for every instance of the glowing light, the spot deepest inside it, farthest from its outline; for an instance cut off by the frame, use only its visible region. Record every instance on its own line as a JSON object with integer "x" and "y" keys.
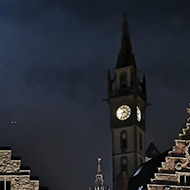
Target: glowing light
{"x": 13, "y": 122}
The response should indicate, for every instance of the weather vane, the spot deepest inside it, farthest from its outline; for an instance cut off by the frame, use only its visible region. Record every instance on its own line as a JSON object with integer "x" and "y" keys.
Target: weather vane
{"x": 99, "y": 159}
{"x": 188, "y": 111}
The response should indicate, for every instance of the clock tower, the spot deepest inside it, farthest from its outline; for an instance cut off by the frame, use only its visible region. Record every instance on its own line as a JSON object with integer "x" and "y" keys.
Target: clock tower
{"x": 127, "y": 103}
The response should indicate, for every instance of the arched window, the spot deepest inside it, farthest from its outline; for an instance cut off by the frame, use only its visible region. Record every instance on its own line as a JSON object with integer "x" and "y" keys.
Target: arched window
{"x": 124, "y": 163}
{"x": 123, "y": 140}
{"x": 123, "y": 80}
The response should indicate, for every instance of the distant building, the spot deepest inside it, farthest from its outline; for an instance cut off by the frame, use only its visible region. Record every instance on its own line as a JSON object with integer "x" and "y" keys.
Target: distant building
{"x": 127, "y": 105}
{"x": 13, "y": 176}
{"x": 99, "y": 179}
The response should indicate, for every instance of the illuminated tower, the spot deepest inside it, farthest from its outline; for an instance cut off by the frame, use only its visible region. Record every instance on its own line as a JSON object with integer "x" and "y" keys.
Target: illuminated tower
{"x": 99, "y": 179}
{"x": 127, "y": 103}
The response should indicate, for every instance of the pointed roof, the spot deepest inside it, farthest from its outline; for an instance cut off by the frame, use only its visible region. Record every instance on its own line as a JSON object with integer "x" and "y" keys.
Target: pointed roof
{"x": 125, "y": 57}
{"x": 152, "y": 151}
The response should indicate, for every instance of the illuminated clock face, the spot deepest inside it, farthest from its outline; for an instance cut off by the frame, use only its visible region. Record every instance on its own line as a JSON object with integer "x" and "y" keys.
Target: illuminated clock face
{"x": 123, "y": 112}
{"x": 138, "y": 114}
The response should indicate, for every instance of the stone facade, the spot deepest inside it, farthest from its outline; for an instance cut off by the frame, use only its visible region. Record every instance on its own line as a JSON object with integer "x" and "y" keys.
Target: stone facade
{"x": 174, "y": 173}
{"x": 12, "y": 177}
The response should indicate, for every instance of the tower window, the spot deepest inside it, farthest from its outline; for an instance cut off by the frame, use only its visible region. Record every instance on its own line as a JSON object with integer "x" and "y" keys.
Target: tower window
{"x": 140, "y": 141}
{"x": 124, "y": 163}
{"x": 123, "y": 79}
{"x": 123, "y": 140}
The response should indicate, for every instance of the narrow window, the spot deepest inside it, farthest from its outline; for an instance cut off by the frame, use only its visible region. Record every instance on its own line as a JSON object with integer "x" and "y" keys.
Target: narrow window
{"x": 187, "y": 180}
{"x": 8, "y": 185}
{"x": 124, "y": 163}
{"x": 123, "y": 141}
{"x": 182, "y": 180}
{"x": 123, "y": 79}
{"x": 140, "y": 141}
{"x": 1, "y": 185}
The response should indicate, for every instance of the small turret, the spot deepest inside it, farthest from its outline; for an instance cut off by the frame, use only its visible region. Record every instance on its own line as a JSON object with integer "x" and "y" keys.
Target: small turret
{"x": 109, "y": 83}
{"x": 144, "y": 84}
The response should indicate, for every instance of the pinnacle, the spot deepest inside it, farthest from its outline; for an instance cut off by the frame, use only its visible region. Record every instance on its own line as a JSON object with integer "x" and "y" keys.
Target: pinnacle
{"x": 125, "y": 57}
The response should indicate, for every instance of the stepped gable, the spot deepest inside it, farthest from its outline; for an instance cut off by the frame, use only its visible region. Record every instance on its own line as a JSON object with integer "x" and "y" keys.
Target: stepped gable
{"x": 174, "y": 173}
{"x": 12, "y": 175}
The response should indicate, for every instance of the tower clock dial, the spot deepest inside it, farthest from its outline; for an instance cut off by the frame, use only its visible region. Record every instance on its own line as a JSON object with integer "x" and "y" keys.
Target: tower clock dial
{"x": 138, "y": 114}
{"x": 123, "y": 112}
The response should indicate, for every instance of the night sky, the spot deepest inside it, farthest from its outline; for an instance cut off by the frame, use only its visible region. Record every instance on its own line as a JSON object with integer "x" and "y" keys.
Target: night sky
{"x": 54, "y": 58}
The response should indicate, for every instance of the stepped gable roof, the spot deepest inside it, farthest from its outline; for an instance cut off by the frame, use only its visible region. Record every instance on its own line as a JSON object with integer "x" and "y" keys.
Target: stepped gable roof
{"x": 145, "y": 172}
{"x": 11, "y": 171}
{"x": 152, "y": 151}
{"x": 174, "y": 172}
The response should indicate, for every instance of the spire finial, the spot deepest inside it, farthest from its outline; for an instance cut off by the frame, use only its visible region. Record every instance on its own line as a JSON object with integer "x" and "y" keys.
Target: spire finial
{"x": 188, "y": 111}
{"x": 99, "y": 165}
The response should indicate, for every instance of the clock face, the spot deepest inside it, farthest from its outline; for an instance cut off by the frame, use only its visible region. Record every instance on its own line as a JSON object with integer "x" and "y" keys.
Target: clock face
{"x": 123, "y": 112}
{"x": 138, "y": 114}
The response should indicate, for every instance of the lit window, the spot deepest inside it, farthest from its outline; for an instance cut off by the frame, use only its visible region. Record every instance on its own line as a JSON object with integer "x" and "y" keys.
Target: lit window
{"x": 140, "y": 141}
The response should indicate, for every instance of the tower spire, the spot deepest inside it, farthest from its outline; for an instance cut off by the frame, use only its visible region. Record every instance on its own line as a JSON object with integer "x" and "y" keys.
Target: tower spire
{"x": 125, "y": 57}
{"x": 99, "y": 179}
{"x": 99, "y": 165}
